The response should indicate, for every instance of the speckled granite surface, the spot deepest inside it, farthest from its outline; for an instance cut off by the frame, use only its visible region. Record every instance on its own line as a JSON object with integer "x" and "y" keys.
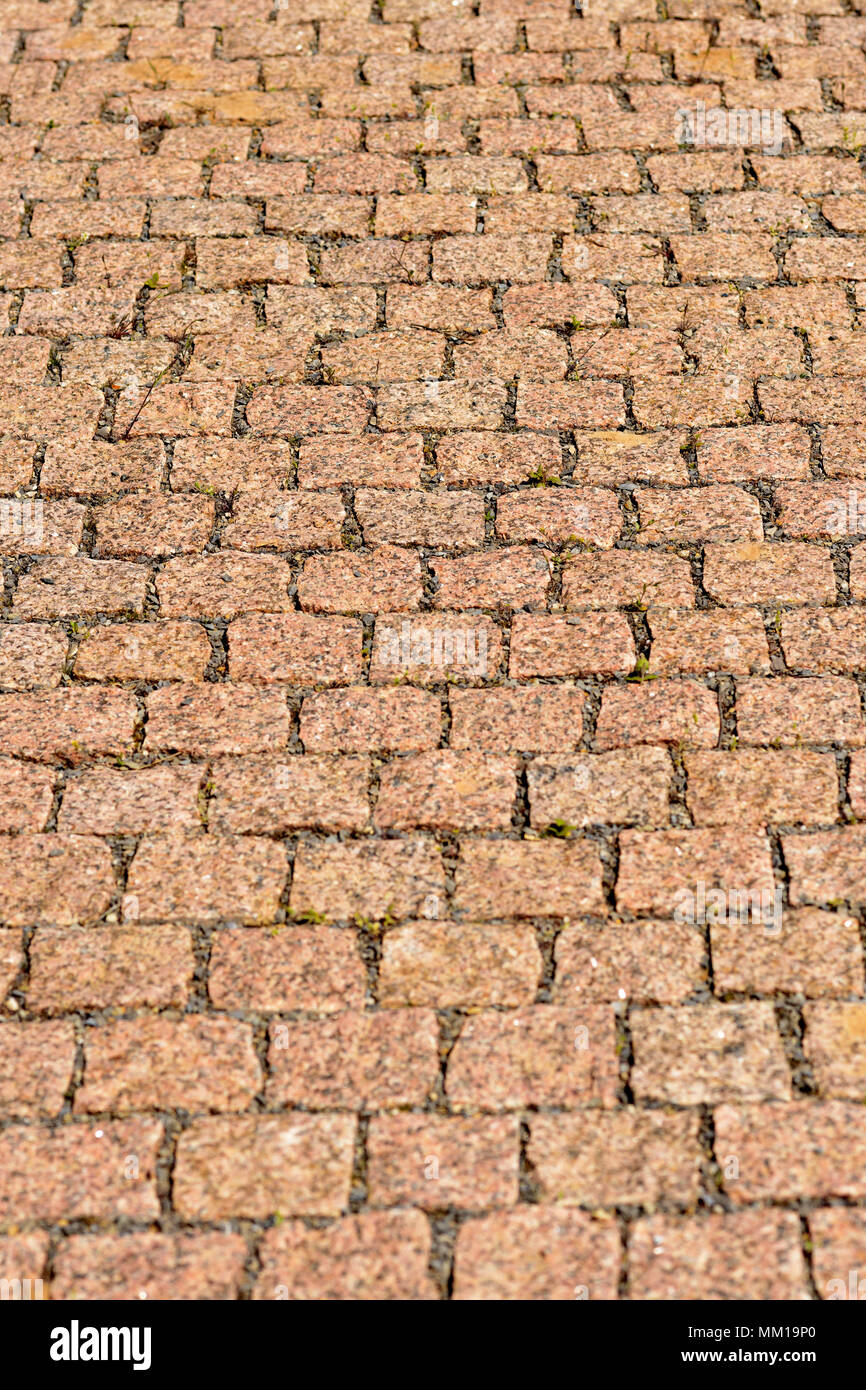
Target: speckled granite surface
{"x": 432, "y": 757}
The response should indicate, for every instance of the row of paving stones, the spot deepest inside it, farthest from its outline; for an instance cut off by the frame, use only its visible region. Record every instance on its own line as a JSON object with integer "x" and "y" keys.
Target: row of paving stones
{"x": 549, "y": 1055}
{"x": 223, "y": 262}
{"x": 528, "y": 1252}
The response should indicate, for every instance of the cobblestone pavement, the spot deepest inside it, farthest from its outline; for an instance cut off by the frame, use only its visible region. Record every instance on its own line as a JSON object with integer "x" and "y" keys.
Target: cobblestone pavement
{"x": 433, "y": 785}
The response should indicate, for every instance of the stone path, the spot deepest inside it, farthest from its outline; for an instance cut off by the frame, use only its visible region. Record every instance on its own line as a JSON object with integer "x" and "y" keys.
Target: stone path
{"x": 433, "y": 782}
